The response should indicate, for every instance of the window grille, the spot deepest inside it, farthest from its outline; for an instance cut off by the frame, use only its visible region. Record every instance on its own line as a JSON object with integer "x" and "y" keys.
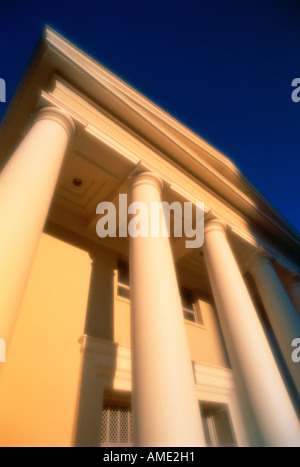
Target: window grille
{"x": 116, "y": 427}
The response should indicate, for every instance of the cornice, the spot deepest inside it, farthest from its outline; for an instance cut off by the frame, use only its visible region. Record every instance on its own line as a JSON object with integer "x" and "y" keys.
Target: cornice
{"x": 118, "y": 87}
{"x": 292, "y": 280}
{"x": 170, "y": 129}
{"x": 140, "y": 106}
{"x": 150, "y": 159}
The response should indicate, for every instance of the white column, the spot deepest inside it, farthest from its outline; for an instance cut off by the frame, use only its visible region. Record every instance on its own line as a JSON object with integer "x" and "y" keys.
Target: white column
{"x": 282, "y": 315}
{"x": 253, "y": 363}
{"x": 293, "y": 288}
{"x": 165, "y": 408}
{"x": 27, "y": 183}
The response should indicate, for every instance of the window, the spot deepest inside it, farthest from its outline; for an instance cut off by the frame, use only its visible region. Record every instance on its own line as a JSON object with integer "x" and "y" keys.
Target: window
{"x": 123, "y": 289}
{"x": 116, "y": 428}
{"x": 187, "y": 305}
{"x": 217, "y": 425}
{"x": 191, "y": 310}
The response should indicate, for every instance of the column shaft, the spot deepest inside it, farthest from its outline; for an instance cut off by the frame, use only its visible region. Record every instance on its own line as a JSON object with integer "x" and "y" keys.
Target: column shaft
{"x": 165, "y": 408}
{"x": 27, "y": 184}
{"x": 279, "y": 308}
{"x": 252, "y": 360}
{"x": 293, "y": 288}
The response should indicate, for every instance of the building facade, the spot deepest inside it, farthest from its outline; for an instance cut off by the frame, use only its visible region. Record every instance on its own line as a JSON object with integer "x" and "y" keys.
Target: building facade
{"x": 123, "y": 340}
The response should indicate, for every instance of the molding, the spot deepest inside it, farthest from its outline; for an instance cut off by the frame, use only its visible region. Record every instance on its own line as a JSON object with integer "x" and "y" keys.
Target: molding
{"x": 109, "y": 360}
{"x": 217, "y": 385}
{"x": 216, "y": 379}
{"x": 112, "y": 362}
{"x": 107, "y": 351}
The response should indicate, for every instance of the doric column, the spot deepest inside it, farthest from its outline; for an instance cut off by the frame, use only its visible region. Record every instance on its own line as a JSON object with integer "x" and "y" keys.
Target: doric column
{"x": 27, "y": 183}
{"x": 292, "y": 285}
{"x": 165, "y": 408}
{"x": 251, "y": 357}
{"x": 281, "y": 313}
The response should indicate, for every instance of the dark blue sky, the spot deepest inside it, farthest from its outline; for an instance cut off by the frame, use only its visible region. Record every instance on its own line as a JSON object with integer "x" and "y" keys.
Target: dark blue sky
{"x": 222, "y": 67}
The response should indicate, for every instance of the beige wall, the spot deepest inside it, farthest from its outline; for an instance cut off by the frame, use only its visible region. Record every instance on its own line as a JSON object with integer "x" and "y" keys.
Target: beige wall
{"x": 39, "y": 382}
{"x": 205, "y": 341}
{"x": 122, "y": 321}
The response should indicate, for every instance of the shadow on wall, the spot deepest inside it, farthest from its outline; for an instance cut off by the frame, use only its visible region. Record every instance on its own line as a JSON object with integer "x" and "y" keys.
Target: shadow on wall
{"x": 97, "y": 376}
{"x": 98, "y": 364}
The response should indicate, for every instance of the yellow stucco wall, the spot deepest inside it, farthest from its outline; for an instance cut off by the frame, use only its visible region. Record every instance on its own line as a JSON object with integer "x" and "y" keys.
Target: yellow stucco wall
{"x": 205, "y": 341}
{"x": 122, "y": 321}
{"x": 39, "y": 382}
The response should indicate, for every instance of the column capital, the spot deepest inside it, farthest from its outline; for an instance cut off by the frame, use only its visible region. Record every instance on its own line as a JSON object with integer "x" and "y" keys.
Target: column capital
{"x": 214, "y": 224}
{"x": 292, "y": 279}
{"x": 58, "y": 115}
{"x": 147, "y": 178}
{"x": 259, "y": 256}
